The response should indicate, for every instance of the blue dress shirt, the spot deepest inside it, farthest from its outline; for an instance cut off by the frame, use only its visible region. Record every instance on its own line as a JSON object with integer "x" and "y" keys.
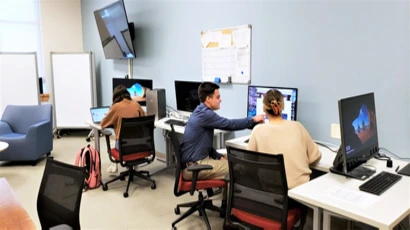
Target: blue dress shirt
{"x": 198, "y": 138}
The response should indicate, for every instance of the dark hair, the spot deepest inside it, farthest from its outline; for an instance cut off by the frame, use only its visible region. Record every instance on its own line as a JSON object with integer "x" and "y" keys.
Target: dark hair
{"x": 206, "y": 89}
{"x": 120, "y": 93}
{"x": 273, "y": 102}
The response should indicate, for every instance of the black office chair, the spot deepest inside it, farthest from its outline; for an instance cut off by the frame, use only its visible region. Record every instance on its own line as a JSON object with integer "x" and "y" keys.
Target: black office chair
{"x": 182, "y": 186}
{"x": 136, "y": 147}
{"x": 59, "y": 198}
{"x": 258, "y": 192}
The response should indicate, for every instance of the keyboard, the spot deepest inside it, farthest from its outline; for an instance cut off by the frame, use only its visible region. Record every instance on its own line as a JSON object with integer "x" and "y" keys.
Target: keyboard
{"x": 380, "y": 183}
{"x": 175, "y": 122}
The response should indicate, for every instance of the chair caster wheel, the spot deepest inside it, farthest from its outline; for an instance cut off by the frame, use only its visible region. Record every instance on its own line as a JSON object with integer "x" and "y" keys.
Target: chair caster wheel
{"x": 125, "y": 194}
{"x": 87, "y": 139}
{"x": 174, "y": 228}
{"x": 104, "y": 187}
{"x": 58, "y": 136}
{"x": 122, "y": 178}
{"x": 177, "y": 211}
{"x": 200, "y": 214}
{"x": 153, "y": 186}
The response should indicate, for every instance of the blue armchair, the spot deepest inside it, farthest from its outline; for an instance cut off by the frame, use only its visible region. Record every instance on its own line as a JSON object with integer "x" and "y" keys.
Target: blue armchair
{"x": 28, "y": 129}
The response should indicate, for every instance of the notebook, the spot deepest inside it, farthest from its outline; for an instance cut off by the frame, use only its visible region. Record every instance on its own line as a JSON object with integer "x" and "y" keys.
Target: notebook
{"x": 98, "y": 113}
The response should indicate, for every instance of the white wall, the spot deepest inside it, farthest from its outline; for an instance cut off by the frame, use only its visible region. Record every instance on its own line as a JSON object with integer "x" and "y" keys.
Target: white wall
{"x": 61, "y": 31}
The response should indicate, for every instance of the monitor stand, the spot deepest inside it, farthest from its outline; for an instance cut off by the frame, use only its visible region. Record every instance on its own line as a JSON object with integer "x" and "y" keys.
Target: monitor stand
{"x": 360, "y": 172}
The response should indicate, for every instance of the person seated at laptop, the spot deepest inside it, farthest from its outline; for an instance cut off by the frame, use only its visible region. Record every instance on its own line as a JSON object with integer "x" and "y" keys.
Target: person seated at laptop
{"x": 289, "y": 138}
{"x": 122, "y": 107}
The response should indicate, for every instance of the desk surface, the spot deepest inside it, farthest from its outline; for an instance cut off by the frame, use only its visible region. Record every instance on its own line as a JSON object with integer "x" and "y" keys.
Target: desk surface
{"x": 12, "y": 214}
{"x": 323, "y": 165}
{"x": 179, "y": 129}
{"x": 384, "y": 211}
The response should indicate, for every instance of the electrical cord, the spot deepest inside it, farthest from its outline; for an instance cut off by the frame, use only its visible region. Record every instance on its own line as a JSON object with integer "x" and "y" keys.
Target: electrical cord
{"x": 401, "y": 158}
{"x": 326, "y": 146}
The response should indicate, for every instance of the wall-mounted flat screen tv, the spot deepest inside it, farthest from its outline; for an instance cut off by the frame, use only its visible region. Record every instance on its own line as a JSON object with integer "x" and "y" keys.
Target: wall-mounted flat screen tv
{"x": 116, "y": 34}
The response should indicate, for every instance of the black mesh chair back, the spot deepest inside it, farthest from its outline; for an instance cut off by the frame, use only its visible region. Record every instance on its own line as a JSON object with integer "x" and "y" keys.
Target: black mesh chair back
{"x": 137, "y": 136}
{"x": 257, "y": 184}
{"x": 59, "y": 198}
{"x": 176, "y": 147}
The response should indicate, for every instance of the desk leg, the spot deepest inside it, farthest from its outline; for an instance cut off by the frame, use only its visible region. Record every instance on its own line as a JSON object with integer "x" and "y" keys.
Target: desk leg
{"x": 316, "y": 218}
{"x": 96, "y": 139}
{"x": 220, "y": 142}
{"x": 168, "y": 161}
{"x": 326, "y": 219}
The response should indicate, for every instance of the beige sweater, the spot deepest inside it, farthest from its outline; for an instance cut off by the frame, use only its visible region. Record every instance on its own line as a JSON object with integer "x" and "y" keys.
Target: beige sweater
{"x": 292, "y": 140}
{"x": 123, "y": 109}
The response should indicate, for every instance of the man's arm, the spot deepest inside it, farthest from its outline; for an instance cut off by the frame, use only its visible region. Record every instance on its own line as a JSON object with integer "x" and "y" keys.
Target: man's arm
{"x": 214, "y": 154}
{"x": 213, "y": 120}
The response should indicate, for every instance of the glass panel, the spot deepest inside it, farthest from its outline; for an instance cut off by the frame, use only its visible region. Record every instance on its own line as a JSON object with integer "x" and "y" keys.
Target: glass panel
{"x": 19, "y": 10}
{"x": 19, "y": 37}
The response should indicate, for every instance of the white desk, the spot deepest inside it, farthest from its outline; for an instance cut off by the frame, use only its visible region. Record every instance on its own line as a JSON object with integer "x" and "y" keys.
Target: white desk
{"x": 384, "y": 212}
{"x": 179, "y": 129}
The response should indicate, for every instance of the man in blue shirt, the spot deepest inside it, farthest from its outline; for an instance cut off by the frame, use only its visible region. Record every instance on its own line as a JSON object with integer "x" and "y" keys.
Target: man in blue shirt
{"x": 197, "y": 145}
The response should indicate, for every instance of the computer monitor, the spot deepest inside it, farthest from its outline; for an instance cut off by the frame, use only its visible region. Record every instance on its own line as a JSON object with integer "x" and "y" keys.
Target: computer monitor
{"x": 186, "y": 93}
{"x": 136, "y": 87}
{"x": 360, "y": 143}
{"x": 255, "y": 101}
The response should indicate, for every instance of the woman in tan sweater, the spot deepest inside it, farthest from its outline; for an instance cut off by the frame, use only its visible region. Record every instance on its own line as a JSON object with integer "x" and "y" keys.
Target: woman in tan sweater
{"x": 122, "y": 107}
{"x": 287, "y": 137}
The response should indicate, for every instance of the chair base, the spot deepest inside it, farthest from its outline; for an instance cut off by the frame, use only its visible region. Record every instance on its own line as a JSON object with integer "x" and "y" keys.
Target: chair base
{"x": 199, "y": 206}
{"x": 131, "y": 173}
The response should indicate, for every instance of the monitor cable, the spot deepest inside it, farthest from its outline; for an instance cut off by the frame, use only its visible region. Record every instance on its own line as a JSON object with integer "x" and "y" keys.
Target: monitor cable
{"x": 326, "y": 146}
{"x": 395, "y": 156}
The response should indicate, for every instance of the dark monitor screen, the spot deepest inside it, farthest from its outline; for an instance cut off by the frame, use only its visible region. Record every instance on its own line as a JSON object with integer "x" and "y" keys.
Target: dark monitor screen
{"x": 358, "y": 129}
{"x": 136, "y": 87}
{"x": 115, "y": 34}
{"x": 186, "y": 93}
{"x": 255, "y": 101}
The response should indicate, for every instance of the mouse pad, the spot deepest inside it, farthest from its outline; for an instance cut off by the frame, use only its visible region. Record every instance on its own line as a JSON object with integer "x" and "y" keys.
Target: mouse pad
{"x": 405, "y": 171}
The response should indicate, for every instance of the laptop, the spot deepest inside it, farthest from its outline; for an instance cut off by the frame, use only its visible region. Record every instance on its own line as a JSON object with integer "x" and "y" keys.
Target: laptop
{"x": 98, "y": 113}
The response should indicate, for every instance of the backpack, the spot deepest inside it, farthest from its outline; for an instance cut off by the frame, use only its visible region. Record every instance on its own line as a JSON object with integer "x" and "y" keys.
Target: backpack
{"x": 89, "y": 158}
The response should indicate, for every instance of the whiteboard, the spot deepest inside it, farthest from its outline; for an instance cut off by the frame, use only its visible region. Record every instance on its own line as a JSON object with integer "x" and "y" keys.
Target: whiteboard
{"x": 18, "y": 80}
{"x": 226, "y": 55}
{"x": 73, "y": 76}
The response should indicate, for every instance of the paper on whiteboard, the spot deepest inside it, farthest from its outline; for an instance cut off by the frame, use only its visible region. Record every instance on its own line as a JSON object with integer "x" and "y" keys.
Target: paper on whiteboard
{"x": 242, "y": 62}
{"x": 218, "y": 62}
{"x": 360, "y": 199}
{"x": 206, "y": 38}
{"x": 226, "y": 41}
{"x": 216, "y": 36}
{"x": 241, "y": 38}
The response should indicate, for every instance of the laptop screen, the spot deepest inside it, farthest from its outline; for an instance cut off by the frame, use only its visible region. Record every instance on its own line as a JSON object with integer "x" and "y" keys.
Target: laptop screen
{"x": 97, "y": 114}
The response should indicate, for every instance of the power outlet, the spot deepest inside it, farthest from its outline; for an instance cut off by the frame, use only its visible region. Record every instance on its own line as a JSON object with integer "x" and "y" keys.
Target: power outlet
{"x": 335, "y": 131}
